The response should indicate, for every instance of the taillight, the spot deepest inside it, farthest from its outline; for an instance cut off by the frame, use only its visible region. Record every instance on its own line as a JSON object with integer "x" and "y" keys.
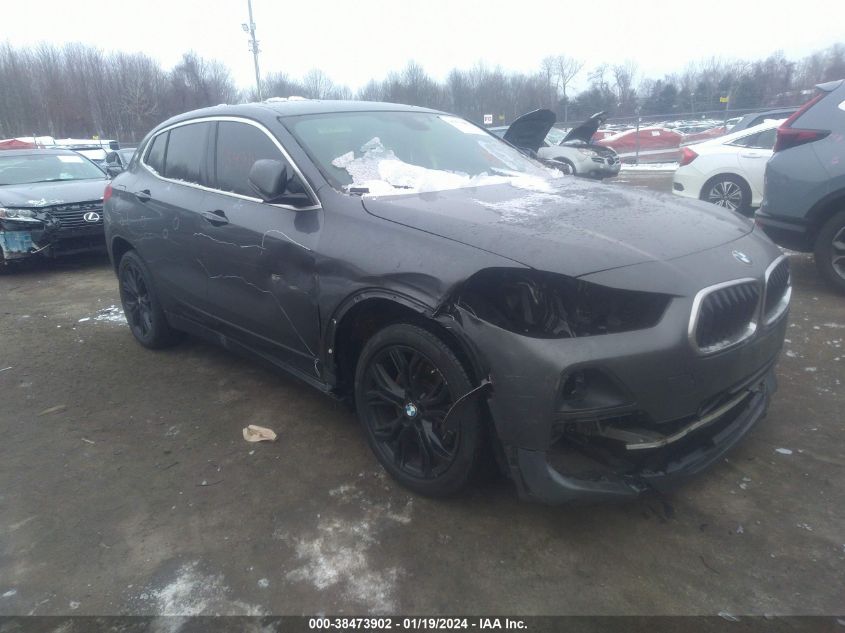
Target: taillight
{"x": 687, "y": 156}
{"x": 107, "y": 193}
{"x": 788, "y": 136}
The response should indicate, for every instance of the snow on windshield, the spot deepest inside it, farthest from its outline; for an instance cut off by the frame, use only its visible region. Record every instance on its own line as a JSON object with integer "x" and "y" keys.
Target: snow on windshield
{"x": 380, "y": 172}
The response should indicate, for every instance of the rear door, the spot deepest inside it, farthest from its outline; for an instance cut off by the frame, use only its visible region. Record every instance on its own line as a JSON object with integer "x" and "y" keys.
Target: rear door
{"x": 169, "y": 201}
{"x": 260, "y": 257}
{"x": 754, "y": 152}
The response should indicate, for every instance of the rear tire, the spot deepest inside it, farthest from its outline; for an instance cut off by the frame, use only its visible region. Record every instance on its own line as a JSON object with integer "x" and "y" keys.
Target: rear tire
{"x": 830, "y": 251}
{"x": 141, "y": 306}
{"x": 729, "y": 192}
{"x": 406, "y": 380}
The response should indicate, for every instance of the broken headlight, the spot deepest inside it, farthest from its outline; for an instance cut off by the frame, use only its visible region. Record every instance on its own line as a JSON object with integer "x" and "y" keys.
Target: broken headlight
{"x": 17, "y": 214}
{"x": 547, "y": 305}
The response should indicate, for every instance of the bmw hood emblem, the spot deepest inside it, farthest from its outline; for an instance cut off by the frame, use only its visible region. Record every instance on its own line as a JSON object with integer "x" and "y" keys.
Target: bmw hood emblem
{"x": 742, "y": 257}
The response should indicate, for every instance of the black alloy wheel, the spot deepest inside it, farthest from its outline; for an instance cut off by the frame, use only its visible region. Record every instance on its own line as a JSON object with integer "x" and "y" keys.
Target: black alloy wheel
{"x": 406, "y": 382}
{"x": 143, "y": 312}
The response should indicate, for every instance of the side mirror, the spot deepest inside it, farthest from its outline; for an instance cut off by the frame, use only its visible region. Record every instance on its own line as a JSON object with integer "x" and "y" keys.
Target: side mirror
{"x": 269, "y": 179}
{"x": 113, "y": 170}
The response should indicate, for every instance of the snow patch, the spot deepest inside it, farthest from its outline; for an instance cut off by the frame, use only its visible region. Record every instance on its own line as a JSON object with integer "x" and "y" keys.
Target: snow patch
{"x": 381, "y": 172}
{"x": 9, "y": 594}
{"x": 112, "y": 314}
{"x": 338, "y": 553}
{"x": 193, "y": 593}
{"x": 650, "y": 167}
{"x": 783, "y": 451}
{"x": 519, "y": 209}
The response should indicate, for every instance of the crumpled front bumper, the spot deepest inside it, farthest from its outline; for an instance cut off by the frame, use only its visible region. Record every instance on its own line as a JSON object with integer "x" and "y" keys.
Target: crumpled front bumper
{"x": 22, "y": 239}
{"x": 538, "y": 479}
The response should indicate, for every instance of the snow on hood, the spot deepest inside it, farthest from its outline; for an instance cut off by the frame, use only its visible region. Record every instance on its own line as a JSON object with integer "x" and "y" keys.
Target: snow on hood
{"x": 381, "y": 173}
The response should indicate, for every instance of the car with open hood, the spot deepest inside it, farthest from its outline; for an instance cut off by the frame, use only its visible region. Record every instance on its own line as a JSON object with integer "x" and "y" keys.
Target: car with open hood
{"x": 466, "y": 300}
{"x": 51, "y": 204}
{"x": 575, "y": 150}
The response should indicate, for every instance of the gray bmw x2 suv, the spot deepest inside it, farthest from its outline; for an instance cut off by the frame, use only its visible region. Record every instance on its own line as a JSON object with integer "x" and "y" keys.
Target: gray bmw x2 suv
{"x": 803, "y": 204}
{"x": 597, "y": 340}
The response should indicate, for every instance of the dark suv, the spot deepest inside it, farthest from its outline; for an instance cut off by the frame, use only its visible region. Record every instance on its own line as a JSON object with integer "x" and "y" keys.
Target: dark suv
{"x": 804, "y": 196}
{"x": 597, "y": 340}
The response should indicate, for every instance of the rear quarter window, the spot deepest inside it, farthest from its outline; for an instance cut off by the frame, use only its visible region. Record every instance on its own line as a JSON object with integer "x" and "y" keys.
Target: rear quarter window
{"x": 186, "y": 152}
{"x": 155, "y": 154}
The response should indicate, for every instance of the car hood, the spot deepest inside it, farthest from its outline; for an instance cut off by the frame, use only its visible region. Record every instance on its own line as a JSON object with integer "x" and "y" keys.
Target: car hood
{"x": 42, "y": 194}
{"x": 529, "y": 131}
{"x": 573, "y": 226}
{"x": 585, "y": 131}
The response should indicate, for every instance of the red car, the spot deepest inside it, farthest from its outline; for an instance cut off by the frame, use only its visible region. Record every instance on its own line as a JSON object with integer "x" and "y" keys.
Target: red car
{"x": 656, "y": 145}
{"x": 706, "y": 135}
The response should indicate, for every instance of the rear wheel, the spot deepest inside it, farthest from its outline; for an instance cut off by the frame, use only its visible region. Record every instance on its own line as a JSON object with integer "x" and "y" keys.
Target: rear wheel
{"x": 730, "y": 192}
{"x": 406, "y": 382}
{"x": 141, "y": 306}
{"x": 830, "y": 251}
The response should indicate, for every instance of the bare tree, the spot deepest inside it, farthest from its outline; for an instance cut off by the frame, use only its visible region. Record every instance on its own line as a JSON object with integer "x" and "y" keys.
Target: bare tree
{"x": 567, "y": 68}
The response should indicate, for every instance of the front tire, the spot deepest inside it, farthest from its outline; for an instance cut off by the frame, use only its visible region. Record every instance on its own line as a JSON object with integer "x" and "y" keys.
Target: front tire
{"x": 569, "y": 164}
{"x": 830, "y": 251}
{"x": 406, "y": 381}
{"x": 141, "y": 306}
{"x": 730, "y": 192}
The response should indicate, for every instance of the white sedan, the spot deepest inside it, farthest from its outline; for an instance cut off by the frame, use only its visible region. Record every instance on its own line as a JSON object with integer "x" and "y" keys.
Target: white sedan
{"x": 728, "y": 170}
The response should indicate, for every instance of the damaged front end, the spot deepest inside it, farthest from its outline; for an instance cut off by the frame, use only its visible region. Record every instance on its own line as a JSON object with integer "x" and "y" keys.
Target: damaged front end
{"x": 50, "y": 231}
{"x": 596, "y": 391}
{"x": 25, "y": 232}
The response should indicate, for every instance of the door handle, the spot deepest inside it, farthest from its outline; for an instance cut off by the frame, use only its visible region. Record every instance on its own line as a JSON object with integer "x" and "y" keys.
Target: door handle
{"x": 143, "y": 195}
{"x": 216, "y": 217}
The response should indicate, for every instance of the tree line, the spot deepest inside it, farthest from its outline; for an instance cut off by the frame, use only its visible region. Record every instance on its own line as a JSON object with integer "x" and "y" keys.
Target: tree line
{"x": 78, "y": 90}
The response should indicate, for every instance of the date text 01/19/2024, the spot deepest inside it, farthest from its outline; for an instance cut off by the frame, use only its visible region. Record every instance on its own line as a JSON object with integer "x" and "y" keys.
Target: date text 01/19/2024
{"x": 415, "y": 623}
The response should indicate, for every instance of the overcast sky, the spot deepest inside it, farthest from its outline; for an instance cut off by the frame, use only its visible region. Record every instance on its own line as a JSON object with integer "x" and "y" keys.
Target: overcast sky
{"x": 356, "y": 40}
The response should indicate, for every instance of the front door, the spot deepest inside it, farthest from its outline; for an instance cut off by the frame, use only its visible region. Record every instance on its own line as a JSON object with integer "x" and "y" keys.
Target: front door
{"x": 261, "y": 258}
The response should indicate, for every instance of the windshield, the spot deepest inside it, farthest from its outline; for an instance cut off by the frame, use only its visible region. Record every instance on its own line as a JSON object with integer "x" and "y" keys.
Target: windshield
{"x": 407, "y": 152}
{"x": 555, "y": 136}
{"x": 30, "y": 168}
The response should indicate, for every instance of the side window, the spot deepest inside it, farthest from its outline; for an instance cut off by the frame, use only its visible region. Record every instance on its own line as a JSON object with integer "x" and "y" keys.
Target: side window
{"x": 239, "y": 145}
{"x": 747, "y": 141}
{"x": 765, "y": 139}
{"x": 155, "y": 154}
{"x": 186, "y": 151}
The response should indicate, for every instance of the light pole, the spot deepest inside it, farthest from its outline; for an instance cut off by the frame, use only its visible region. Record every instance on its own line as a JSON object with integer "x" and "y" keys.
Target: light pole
{"x": 253, "y": 46}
